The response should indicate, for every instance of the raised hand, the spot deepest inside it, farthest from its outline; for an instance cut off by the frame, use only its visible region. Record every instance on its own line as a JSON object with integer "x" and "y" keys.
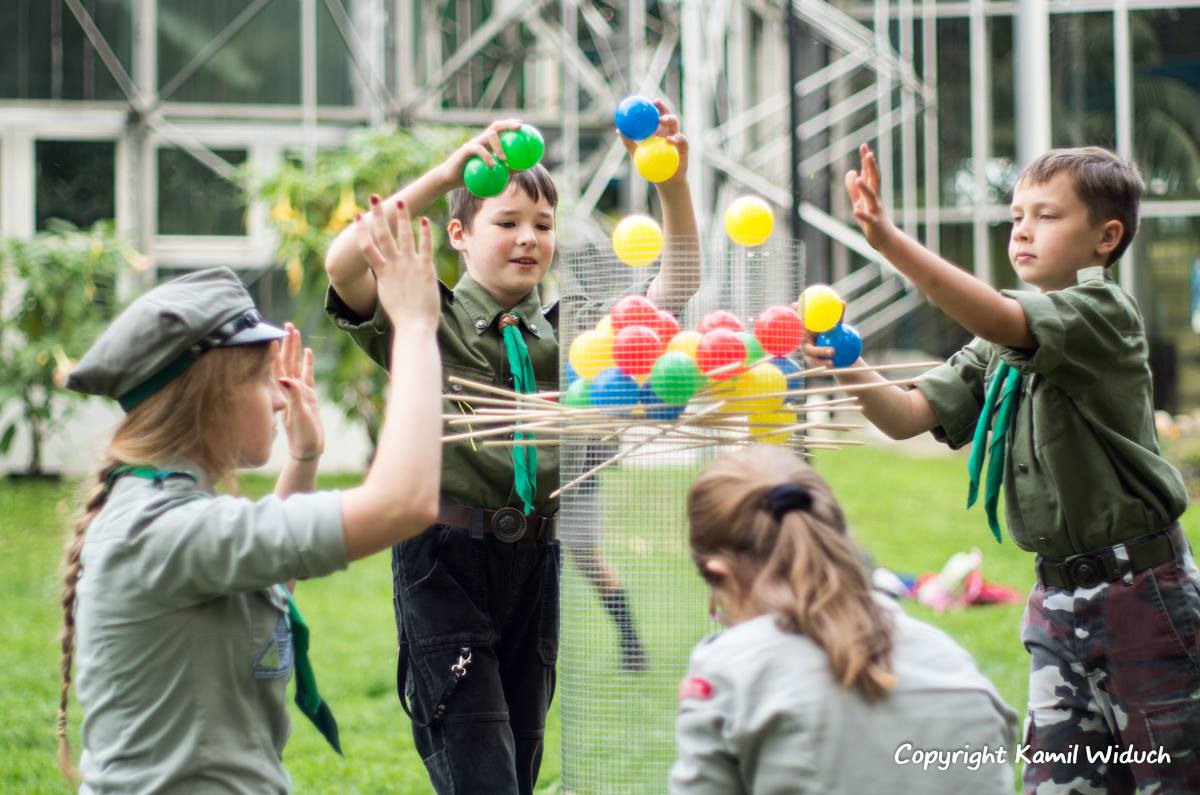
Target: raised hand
{"x": 863, "y": 189}
{"x": 668, "y": 127}
{"x": 485, "y": 145}
{"x": 293, "y": 371}
{"x": 405, "y": 280}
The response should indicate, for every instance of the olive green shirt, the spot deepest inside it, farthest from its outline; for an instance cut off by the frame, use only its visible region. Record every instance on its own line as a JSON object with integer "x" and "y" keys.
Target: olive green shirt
{"x": 472, "y": 347}
{"x": 183, "y": 645}
{"x": 1083, "y": 469}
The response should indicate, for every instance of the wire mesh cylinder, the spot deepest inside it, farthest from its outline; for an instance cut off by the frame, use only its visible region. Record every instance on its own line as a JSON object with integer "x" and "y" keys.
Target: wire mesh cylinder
{"x": 633, "y": 605}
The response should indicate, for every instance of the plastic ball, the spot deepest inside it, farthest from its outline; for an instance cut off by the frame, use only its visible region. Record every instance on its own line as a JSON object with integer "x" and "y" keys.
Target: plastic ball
{"x": 676, "y": 378}
{"x": 483, "y": 180}
{"x": 590, "y": 353}
{"x": 760, "y": 387}
{"x": 614, "y": 388}
{"x": 779, "y": 329}
{"x": 754, "y": 350}
{"x": 820, "y": 307}
{"x": 605, "y": 326}
{"x": 637, "y": 240}
{"x": 720, "y": 319}
{"x": 721, "y": 348}
{"x": 749, "y": 221}
{"x": 633, "y": 310}
{"x": 636, "y": 118}
{"x": 571, "y": 375}
{"x": 656, "y": 159}
{"x": 666, "y": 326}
{"x": 846, "y": 343}
{"x": 635, "y": 349}
{"x": 762, "y": 427}
{"x": 647, "y": 398}
{"x": 786, "y": 366}
{"x": 523, "y": 148}
{"x": 685, "y": 342}
{"x": 579, "y": 394}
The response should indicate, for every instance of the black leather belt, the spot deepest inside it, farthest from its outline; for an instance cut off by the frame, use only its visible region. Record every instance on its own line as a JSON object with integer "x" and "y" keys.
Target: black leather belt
{"x": 1089, "y": 569}
{"x": 506, "y": 524}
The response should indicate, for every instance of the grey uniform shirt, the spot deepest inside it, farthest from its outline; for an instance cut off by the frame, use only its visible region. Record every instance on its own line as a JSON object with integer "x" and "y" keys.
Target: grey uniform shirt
{"x": 776, "y": 722}
{"x": 183, "y": 646}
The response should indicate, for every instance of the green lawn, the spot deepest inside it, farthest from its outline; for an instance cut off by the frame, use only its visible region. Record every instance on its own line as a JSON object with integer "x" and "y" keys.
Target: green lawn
{"x": 907, "y": 511}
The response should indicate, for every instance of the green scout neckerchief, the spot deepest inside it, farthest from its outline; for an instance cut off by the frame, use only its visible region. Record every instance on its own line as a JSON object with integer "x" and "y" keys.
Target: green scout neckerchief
{"x": 999, "y": 404}
{"x": 524, "y": 458}
{"x": 308, "y": 698}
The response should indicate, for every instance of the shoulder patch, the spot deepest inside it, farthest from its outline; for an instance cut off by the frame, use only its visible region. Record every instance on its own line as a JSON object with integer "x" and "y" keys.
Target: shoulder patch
{"x": 695, "y": 687}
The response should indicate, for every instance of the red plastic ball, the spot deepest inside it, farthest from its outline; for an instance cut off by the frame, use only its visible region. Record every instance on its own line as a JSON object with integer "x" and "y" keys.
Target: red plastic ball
{"x": 720, "y": 319}
{"x": 666, "y": 326}
{"x": 720, "y": 348}
{"x": 779, "y": 330}
{"x": 636, "y": 348}
{"x": 634, "y": 310}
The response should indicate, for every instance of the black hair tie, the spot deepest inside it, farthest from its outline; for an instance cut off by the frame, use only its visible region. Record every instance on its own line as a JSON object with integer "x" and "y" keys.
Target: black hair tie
{"x": 787, "y": 497}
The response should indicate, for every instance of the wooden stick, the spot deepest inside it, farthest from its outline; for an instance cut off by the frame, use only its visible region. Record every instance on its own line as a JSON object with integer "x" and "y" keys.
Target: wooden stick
{"x": 683, "y": 419}
{"x": 522, "y": 443}
{"x": 458, "y": 437}
{"x": 533, "y": 397}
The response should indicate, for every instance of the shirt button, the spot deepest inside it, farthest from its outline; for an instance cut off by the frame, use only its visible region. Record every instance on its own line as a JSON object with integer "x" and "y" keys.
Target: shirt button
{"x": 456, "y": 389}
{"x": 533, "y": 327}
{"x": 481, "y": 324}
{"x": 1022, "y": 467}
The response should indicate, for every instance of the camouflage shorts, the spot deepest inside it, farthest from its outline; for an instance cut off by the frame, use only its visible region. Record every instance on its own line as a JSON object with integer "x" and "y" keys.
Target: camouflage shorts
{"x": 1114, "y": 683}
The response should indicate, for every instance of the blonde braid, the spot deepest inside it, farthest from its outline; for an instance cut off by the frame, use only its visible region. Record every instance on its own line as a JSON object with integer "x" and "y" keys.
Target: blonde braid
{"x": 72, "y": 568}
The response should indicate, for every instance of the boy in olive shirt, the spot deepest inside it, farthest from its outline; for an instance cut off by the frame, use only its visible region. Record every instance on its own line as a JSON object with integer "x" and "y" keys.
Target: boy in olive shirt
{"x": 476, "y": 595}
{"x": 1060, "y": 377}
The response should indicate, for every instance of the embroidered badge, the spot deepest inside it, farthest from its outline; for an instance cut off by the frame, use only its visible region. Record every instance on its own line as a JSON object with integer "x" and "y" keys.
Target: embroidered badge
{"x": 696, "y": 687}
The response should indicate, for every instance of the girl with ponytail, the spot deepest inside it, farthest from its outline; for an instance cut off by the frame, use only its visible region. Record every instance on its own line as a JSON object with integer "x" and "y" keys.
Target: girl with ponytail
{"x": 819, "y": 685}
{"x": 178, "y": 619}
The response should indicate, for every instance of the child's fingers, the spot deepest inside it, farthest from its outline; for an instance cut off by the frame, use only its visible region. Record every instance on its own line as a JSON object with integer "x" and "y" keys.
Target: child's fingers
{"x": 382, "y": 237}
{"x": 425, "y": 245}
{"x": 852, "y": 185}
{"x": 870, "y": 198}
{"x": 366, "y": 243}
{"x": 871, "y": 171}
{"x": 630, "y": 145}
{"x": 295, "y": 350}
{"x": 493, "y": 140}
{"x": 480, "y": 151}
{"x": 668, "y": 125}
{"x": 404, "y": 238}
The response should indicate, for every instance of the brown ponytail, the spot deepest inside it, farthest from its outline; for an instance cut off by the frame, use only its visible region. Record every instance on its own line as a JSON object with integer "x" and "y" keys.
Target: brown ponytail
{"x": 802, "y": 567}
{"x": 181, "y": 422}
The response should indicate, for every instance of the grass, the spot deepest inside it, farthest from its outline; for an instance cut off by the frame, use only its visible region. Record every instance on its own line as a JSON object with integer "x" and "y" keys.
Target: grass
{"x": 907, "y": 511}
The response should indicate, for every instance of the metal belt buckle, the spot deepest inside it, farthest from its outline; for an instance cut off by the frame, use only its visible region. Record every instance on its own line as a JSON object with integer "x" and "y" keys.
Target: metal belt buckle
{"x": 508, "y": 525}
{"x": 1086, "y": 571}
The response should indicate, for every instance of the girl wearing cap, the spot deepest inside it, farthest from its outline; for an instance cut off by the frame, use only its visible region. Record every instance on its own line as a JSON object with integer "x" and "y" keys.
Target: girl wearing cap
{"x": 182, "y": 635}
{"x": 819, "y": 685}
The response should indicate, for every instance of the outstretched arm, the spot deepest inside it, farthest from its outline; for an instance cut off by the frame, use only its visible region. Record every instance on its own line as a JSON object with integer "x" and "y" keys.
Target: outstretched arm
{"x": 975, "y": 305}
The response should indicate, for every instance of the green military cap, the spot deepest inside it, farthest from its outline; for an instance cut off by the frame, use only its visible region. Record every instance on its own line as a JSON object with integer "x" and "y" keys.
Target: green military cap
{"x": 158, "y": 336}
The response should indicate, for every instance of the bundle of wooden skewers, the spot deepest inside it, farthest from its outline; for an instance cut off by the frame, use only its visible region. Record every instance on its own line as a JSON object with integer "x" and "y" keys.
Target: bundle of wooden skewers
{"x": 492, "y": 416}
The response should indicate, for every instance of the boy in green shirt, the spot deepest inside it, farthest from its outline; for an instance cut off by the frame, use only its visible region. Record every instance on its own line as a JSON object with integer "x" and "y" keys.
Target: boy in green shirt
{"x": 478, "y": 591}
{"x": 1060, "y": 377}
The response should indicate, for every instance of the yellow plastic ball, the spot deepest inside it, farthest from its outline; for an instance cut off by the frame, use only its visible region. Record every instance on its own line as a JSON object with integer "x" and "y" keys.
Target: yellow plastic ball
{"x": 605, "y": 326}
{"x": 749, "y": 221}
{"x": 685, "y": 342}
{"x": 637, "y": 241}
{"x": 656, "y": 160}
{"x": 762, "y": 427}
{"x": 591, "y": 354}
{"x": 820, "y": 307}
{"x": 760, "y": 388}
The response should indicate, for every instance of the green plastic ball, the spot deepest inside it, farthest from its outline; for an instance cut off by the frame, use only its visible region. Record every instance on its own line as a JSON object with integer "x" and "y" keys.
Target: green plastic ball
{"x": 676, "y": 378}
{"x": 483, "y": 180}
{"x": 754, "y": 348}
{"x": 523, "y": 148}
{"x": 579, "y": 394}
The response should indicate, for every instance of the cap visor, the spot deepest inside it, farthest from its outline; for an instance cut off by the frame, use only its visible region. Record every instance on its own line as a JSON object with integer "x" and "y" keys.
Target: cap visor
{"x": 262, "y": 332}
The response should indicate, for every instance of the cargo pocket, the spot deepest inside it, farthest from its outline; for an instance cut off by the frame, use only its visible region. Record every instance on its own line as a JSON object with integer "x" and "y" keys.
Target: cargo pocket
{"x": 549, "y": 610}
{"x": 1179, "y": 601}
{"x": 1175, "y": 730}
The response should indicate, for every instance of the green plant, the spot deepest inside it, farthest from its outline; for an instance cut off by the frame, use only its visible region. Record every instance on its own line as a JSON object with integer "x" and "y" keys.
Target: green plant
{"x": 57, "y": 292}
{"x": 311, "y": 203}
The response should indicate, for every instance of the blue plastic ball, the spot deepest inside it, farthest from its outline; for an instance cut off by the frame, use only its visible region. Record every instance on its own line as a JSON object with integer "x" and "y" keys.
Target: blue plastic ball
{"x": 571, "y": 374}
{"x": 614, "y": 388}
{"x": 637, "y": 118}
{"x": 846, "y": 344}
{"x": 647, "y": 397}
{"x": 785, "y": 365}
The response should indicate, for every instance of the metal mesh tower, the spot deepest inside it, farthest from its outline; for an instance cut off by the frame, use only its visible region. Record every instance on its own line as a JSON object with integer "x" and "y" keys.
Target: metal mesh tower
{"x": 633, "y": 605}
